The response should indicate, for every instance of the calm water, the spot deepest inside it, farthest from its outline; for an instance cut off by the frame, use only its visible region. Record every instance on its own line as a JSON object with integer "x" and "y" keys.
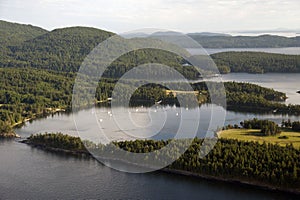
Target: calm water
{"x": 65, "y": 122}
{"x": 28, "y": 173}
{"x": 288, "y": 50}
{"x": 288, "y": 83}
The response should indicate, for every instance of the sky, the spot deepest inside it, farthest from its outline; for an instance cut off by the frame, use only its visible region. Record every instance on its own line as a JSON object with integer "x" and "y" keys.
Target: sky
{"x": 178, "y": 15}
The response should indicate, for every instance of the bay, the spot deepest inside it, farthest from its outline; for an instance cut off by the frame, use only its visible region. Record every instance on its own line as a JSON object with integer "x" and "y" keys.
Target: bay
{"x": 35, "y": 174}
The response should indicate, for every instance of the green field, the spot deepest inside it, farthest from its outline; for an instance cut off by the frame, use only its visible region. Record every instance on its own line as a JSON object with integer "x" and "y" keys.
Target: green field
{"x": 255, "y": 135}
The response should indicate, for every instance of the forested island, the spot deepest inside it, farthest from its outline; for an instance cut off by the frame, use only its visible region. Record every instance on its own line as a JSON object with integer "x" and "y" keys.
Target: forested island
{"x": 228, "y": 41}
{"x": 256, "y": 62}
{"x": 266, "y": 165}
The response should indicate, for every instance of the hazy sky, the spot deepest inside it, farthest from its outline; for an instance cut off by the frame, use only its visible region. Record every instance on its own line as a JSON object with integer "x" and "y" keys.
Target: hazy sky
{"x": 177, "y": 15}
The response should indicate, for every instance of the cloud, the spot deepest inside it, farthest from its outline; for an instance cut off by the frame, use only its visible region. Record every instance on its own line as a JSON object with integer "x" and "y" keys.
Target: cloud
{"x": 182, "y": 15}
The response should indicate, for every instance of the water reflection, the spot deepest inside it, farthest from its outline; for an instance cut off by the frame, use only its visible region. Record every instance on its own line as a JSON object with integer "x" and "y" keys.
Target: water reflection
{"x": 101, "y": 119}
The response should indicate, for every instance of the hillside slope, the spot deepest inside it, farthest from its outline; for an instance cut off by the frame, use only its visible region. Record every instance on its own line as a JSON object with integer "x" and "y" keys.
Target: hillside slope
{"x": 59, "y": 50}
{"x": 64, "y": 50}
{"x": 14, "y": 34}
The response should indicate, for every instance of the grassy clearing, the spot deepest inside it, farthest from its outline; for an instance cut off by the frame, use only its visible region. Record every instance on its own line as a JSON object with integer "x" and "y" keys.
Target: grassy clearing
{"x": 285, "y": 137}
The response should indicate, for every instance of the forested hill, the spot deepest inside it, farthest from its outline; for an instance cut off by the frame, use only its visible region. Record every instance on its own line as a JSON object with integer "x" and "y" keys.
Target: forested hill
{"x": 257, "y": 62}
{"x": 14, "y": 34}
{"x": 262, "y": 41}
{"x": 64, "y": 50}
{"x": 59, "y": 50}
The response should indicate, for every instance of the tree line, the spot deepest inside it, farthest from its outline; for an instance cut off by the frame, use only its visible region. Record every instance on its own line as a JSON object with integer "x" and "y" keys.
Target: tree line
{"x": 267, "y": 127}
{"x": 257, "y": 62}
{"x": 247, "y": 161}
{"x": 295, "y": 126}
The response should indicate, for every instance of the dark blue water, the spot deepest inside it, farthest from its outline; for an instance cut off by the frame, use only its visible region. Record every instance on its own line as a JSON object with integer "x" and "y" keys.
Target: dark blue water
{"x": 27, "y": 173}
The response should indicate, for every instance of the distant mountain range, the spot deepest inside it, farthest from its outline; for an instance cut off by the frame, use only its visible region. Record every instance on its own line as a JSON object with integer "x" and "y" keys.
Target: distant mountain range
{"x": 208, "y": 34}
{"x": 170, "y": 33}
{"x": 262, "y": 41}
{"x": 221, "y": 40}
{"x": 277, "y": 30}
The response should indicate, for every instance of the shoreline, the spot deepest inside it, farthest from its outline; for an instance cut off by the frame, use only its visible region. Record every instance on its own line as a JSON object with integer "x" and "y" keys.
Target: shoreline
{"x": 36, "y": 115}
{"x": 248, "y": 183}
{"x": 13, "y": 135}
{"x": 254, "y": 184}
{"x": 10, "y": 135}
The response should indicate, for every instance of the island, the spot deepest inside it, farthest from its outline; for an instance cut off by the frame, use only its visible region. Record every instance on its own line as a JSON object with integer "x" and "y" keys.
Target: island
{"x": 256, "y": 62}
{"x": 265, "y": 165}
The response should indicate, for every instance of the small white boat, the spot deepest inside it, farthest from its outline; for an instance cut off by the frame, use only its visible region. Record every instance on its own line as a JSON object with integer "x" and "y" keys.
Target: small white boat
{"x": 158, "y": 102}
